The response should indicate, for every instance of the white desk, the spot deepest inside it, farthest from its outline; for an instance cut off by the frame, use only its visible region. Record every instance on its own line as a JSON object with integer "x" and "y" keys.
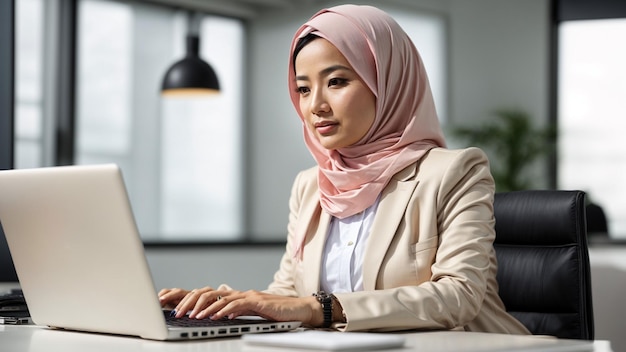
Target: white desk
{"x": 35, "y": 339}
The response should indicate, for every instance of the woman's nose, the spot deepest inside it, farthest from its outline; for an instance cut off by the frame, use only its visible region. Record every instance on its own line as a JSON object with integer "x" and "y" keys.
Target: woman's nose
{"x": 319, "y": 104}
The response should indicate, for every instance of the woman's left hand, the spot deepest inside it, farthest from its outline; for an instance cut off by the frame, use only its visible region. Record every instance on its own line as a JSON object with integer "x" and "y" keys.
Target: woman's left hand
{"x": 217, "y": 304}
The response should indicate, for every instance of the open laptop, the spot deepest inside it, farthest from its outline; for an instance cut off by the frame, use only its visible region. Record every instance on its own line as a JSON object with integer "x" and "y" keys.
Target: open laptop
{"x": 80, "y": 260}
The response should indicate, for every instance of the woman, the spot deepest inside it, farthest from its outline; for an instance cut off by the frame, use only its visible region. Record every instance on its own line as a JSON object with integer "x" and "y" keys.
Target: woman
{"x": 398, "y": 229}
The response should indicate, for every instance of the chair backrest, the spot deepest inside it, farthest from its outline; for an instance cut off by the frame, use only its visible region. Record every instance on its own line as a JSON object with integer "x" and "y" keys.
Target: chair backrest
{"x": 543, "y": 261}
{"x": 596, "y": 220}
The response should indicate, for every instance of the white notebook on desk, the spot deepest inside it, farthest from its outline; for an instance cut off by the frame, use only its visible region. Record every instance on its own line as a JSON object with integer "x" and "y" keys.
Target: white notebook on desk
{"x": 328, "y": 340}
{"x": 80, "y": 259}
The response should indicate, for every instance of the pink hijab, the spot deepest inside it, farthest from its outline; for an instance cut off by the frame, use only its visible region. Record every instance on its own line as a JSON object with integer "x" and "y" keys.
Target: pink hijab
{"x": 406, "y": 124}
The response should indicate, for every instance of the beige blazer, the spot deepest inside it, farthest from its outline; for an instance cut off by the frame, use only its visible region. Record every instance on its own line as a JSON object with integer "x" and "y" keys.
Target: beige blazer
{"x": 429, "y": 262}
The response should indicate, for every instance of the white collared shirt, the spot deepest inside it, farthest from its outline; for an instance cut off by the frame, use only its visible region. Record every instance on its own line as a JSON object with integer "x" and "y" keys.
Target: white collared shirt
{"x": 342, "y": 264}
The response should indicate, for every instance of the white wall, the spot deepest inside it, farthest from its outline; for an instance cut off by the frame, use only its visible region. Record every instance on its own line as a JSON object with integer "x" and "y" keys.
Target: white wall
{"x": 500, "y": 52}
{"x": 241, "y": 268}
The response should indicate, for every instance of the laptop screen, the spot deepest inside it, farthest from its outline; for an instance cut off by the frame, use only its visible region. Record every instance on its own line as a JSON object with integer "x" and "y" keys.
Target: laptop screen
{"x": 7, "y": 270}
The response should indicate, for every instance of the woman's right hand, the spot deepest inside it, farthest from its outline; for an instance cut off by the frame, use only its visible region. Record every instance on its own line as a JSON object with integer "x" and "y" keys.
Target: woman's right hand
{"x": 171, "y": 297}
{"x": 177, "y": 298}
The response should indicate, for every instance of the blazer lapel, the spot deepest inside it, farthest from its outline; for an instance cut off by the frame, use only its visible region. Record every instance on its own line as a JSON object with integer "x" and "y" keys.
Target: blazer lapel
{"x": 391, "y": 209}
{"x": 314, "y": 251}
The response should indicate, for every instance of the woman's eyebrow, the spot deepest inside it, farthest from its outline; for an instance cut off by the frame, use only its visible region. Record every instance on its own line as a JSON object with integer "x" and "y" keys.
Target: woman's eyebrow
{"x": 325, "y": 72}
{"x": 334, "y": 68}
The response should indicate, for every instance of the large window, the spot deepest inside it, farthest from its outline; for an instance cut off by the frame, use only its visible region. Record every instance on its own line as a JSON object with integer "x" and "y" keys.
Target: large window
{"x": 592, "y": 114}
{"x": 181, "y": 157}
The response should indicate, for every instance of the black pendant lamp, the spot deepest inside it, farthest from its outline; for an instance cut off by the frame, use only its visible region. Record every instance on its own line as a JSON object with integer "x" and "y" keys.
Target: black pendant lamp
{"x": 191, "y": 75}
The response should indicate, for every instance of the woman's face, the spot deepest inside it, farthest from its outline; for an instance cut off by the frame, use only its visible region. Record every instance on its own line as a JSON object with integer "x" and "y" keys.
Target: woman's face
{"x": 337, "y": 106}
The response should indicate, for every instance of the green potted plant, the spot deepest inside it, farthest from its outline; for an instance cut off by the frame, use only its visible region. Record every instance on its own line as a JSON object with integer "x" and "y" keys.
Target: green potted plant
{"x": 512, "y": 142}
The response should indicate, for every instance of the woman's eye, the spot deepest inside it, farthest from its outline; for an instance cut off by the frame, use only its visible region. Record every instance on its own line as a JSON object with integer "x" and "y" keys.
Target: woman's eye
{"x": 302, "y": 90}
{"x": 337, "y": 82}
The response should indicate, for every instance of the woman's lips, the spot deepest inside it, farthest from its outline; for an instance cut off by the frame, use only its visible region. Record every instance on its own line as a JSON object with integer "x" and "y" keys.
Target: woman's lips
{"x": 325, "y": 127}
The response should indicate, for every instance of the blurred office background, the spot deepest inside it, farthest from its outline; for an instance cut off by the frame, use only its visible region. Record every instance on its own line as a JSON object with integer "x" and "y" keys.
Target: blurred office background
{"x": 209, "y": 177}
{"x": 88, "y": 75}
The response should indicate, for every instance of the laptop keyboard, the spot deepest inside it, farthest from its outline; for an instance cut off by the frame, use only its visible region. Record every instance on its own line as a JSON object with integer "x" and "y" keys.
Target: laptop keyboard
{"x": 189, "y": 322}
{"x": 200, "y": 328}
{"x": 13, "y": 301}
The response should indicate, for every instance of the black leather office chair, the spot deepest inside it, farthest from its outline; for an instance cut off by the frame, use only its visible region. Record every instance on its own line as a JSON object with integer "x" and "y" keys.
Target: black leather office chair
{"x": 543, "y": 261}
{"x": 597, "y": 224}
